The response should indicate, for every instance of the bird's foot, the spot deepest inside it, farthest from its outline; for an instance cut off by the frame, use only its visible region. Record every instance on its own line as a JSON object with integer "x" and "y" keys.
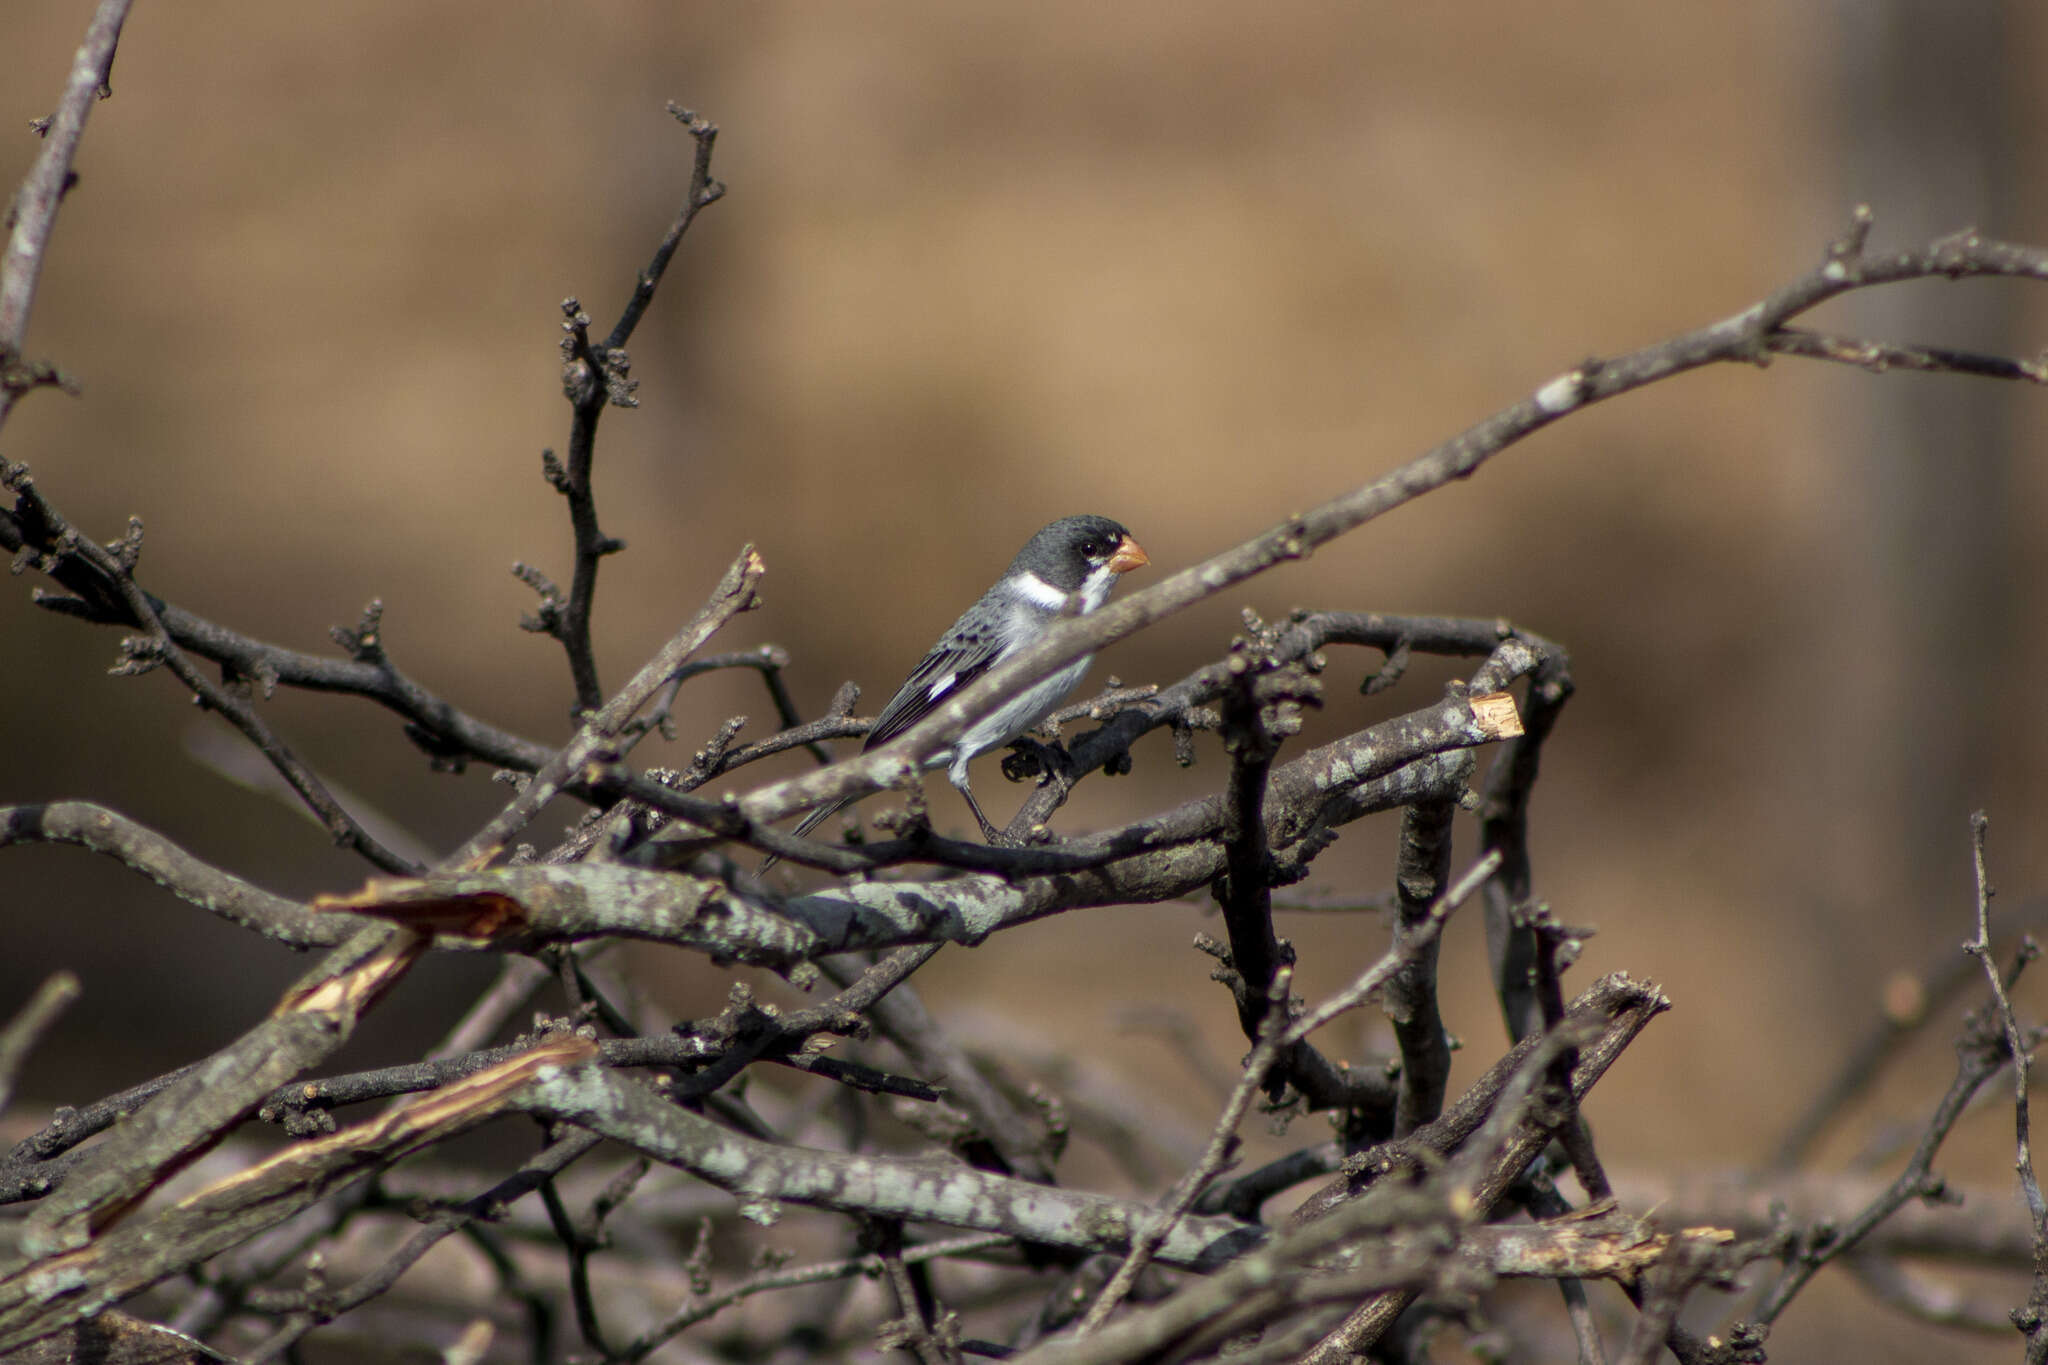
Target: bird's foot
{"x": 1035, "y": 758}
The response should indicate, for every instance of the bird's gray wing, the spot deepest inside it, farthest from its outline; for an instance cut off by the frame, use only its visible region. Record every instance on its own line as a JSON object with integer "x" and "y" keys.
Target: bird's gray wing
{"x": 967, "y": 651}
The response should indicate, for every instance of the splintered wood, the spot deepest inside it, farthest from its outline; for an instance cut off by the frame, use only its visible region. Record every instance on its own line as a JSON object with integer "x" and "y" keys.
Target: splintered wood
{"x": 1496, "y": 714}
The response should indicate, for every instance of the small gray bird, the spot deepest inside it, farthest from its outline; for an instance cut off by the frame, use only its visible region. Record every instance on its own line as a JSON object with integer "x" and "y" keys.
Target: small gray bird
{"x": 1066, "y": 569}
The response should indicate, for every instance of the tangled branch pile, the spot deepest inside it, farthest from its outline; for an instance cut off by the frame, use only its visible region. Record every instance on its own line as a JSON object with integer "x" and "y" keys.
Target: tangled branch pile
{"x": 665, "y": 1149}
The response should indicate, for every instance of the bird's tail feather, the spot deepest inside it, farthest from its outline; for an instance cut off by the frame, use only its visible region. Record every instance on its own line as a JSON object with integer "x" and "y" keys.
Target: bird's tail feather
{"x": 807, "y": 824}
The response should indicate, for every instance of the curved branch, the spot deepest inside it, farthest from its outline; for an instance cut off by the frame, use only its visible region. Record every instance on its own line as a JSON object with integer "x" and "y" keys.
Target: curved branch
{"x": 143, "y": 850}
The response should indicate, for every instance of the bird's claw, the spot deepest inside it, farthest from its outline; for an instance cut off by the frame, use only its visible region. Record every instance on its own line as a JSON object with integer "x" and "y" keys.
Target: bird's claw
{"x": 1034, "y": 758}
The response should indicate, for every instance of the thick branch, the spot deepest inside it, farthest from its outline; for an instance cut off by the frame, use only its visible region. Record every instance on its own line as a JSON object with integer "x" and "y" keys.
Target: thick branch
{"x": 931, "y": 1190}
{"x": 43, "y": 1295}
{"x": 523, "y": 907}
{"x": 1421, "y": 872}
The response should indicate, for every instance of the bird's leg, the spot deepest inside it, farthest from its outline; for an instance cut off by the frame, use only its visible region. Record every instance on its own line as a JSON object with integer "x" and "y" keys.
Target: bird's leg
{"x": 989, "y": 832}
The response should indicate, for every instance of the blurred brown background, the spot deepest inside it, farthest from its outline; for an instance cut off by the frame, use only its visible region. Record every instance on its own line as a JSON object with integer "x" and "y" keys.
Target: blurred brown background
{"x": 1192, "y": 265}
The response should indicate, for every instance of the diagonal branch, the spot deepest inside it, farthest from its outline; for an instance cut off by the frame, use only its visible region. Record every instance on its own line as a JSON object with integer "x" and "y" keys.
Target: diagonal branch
{"x": 115, "y": 564}
{"x": 35, "y": 204}
{"x": 1748, "y": 337}
{"x": 122, "y": 1262}
{"x": 601, "y": 737}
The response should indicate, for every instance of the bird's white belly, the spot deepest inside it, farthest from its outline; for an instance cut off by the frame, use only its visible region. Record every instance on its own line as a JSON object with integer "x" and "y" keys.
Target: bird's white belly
{"x": 1014, "y": 717}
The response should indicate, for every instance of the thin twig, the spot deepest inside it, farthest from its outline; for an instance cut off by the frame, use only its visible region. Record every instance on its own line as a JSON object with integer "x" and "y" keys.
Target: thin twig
{"x": 704, "y": 1307}
{"x": 601, "y": 735}
{"x": 34, "y": 206}
{"x": 232, "y": 701}
{"x": 578, "y": 1243}
{"x": 21, "y": 1033}
{"x": 2032, "y": 1318}
{"x": 488, "y": 1205}
{"x": 595, "y": 377}
{"x": 1274, "y": 1040}
{"x": 2020, "y": 1046}
{"x": 1743, "y": 338}
{"x": 1925, "y": 992}
{"x": 1983, "y": 1050}
{"x": 1147, "y": 1240}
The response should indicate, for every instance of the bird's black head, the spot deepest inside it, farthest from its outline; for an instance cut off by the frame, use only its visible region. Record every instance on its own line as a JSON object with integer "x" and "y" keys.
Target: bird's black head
{"x": 1066, "y": 553}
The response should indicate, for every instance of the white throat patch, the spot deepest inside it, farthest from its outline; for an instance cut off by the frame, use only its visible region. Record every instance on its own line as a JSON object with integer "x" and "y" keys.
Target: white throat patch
{"x": 1095, "y": 588}
{"x": 1039, "y": 593}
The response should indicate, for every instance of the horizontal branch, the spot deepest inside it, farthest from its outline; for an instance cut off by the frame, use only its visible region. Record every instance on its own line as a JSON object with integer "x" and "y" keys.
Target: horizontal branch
{"x": 1305, "y": 634}
{"x": 1310, "y": 795}
{"x": 519, "y": 908}
{"x": 1967, "y": 1225}
{"x": 441, "y": 727}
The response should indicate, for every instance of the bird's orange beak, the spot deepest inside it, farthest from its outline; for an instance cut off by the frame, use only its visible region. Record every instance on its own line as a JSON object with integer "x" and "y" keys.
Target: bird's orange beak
{"x": 1129, "y": 555}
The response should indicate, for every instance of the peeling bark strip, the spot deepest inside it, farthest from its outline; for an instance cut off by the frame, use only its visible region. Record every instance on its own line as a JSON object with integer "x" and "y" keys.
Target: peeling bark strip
{"x": 73, "y": 1285}
{"x": 314, "y": 1017}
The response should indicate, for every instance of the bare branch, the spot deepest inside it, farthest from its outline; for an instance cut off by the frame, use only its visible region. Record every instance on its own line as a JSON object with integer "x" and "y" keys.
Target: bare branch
{"x": 930, "y": 1190}
{"x": 42, "y": 190}
{"x": 115, "y": 566}
{"x": 1981, "y": 1053}
{"x": 176, "y": 871}
{"x": 121, "y": 1261}
{"x": 1421, "y": 870}
{"x": 1415, "y": 1191}
{"x": 522, "y": 907}
{"x": 594, "y": 376}
{"x": 19, "y": 1036}
{"x": 600, "y": 739}
{"x": 1744, "y": 338}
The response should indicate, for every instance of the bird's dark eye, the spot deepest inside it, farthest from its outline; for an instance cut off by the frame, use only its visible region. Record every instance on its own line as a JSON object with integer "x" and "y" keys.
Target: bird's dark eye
{"x": 1091, "y": 549}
